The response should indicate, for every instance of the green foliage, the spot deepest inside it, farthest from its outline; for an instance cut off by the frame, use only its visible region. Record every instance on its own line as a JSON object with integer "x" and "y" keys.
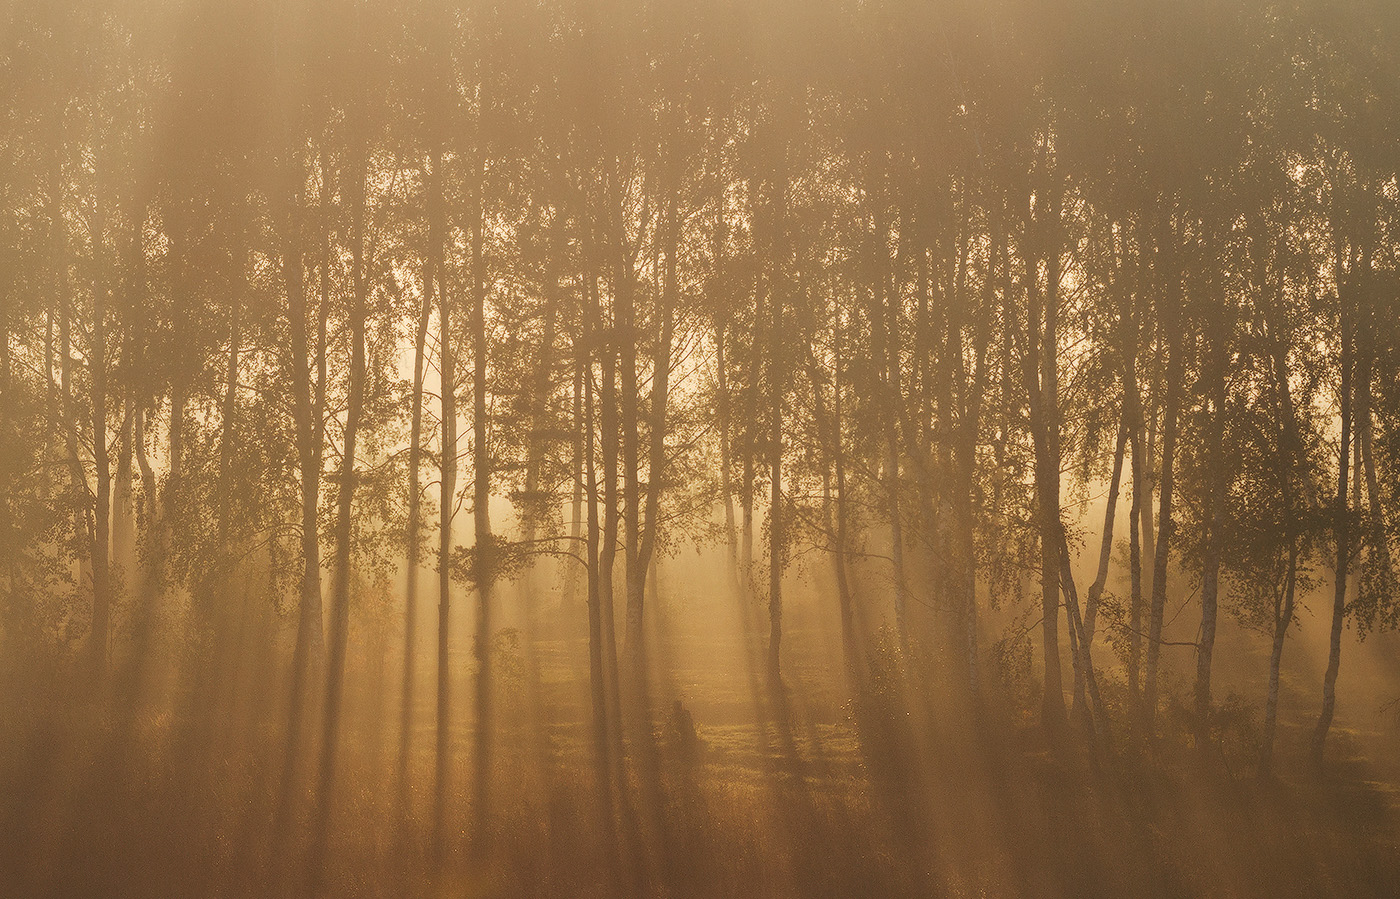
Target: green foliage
{"x": 498, "y": 559}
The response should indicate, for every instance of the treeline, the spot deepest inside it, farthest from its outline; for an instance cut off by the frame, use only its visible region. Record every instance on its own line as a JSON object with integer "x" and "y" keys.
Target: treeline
{"x": 293, "y": 291}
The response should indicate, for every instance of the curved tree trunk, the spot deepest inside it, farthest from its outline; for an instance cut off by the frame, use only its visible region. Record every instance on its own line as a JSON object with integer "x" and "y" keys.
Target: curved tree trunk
{"x": 1341, "y": 528}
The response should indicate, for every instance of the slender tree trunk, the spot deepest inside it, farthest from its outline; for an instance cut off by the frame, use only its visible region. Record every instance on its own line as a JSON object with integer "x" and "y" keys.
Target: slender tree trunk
{"x": 751, "y": 431}
{"x": 1090, "y": 710}
{"x": 1170, "y": 415}
{"x": 656, "y": 451}
{"x": 212, "y": 617}
{"x": 1381, "y": 574}
{"x": 228, "y": 415}
{"x": 13, "y": 576}
{"x": 970, "y": 416}
{"x": 1041, "y": 375}
{"x": 101, "y": 543}
{"x": 634, "y": 580}
{"x": 829, "y": 429}
{"x": 723, "y": 402}
{"x": 1091, "y": 604}
{"x": 446, "y": 504}
{"x": 541, "y": 390}
{"x": 1140, "y": 513}
{"x": 941, "y": 512}
{"x": 576, "y": 514}
{"x": 51, "y": 398}
{"x": 607, "y": 553}
{"x": 845, "y": 593}
{"x": 776, "y": 386}
{"x": 175, "y": 479}
{"x": 1283, "y": 617}
{"x": 1214, "y": 549}
{"x": 123, "y": 501}
{"x": 726, "y": 486}
{"x": 1341, "y": 528}
{"x": 6, "y": 381}
{"x": 83, "y": 530}
{"x": 1289, "y": 443}
{"x": 597, "y": 675}
{"x": 603, "y": 339}
{"x": 124, "y": 510}
{"x": 1086, "y": 639}
{"x": 481, "y": 516}
{"x": 414, "y": 539}
{"x": 150, "y": 501}
{"x": 340, "y": 598}
{"x": 210, "y": 652}
{"x": 307, "y": 653}
{"x": 1152, "y": 419}
{"x": 892, "y": 362}
{"x": 775, "y": 520}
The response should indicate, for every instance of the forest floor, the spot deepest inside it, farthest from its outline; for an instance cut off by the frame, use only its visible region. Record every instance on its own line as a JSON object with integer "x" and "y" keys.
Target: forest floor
{"x": 803, "y": 795}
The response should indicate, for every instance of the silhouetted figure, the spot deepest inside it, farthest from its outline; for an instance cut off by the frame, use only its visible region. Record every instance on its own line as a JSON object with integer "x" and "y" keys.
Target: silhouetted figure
{"x": 687, "y": 741}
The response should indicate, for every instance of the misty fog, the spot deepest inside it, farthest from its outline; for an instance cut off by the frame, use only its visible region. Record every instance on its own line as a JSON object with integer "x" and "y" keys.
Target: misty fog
{"x": 734, "y": 448}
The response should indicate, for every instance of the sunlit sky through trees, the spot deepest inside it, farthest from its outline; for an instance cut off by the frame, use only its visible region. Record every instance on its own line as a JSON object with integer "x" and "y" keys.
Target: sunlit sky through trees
{"x": 734, "y": 448}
